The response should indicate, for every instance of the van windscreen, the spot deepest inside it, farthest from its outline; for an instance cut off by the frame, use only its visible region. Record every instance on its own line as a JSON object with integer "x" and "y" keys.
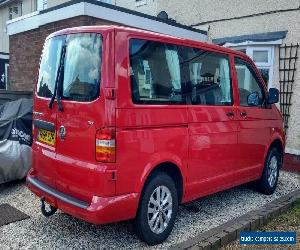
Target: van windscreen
{"x": 81, "y": 69}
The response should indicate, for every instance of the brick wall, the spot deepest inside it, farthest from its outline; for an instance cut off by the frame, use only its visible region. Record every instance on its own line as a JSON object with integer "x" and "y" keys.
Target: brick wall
{"x": 26, "y": 49}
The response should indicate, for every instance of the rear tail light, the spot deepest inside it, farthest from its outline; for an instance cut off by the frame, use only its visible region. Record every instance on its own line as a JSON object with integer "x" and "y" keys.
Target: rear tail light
{"x": 106, "y": 145}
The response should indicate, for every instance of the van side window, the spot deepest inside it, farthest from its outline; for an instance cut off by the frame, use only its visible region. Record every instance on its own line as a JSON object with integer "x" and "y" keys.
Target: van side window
{"x": 248, "y": 84}
{"x": 166, "y": 73}
{"x": 155, "y": 73}
{"x": 209, "y": 77}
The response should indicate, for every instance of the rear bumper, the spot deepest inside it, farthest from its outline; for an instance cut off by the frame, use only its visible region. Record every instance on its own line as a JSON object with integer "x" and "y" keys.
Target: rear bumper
{"x": 101, "y": 210}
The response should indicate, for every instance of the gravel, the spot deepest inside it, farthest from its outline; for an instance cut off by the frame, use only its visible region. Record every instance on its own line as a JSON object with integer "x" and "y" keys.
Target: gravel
{"x": 62, "y": 231}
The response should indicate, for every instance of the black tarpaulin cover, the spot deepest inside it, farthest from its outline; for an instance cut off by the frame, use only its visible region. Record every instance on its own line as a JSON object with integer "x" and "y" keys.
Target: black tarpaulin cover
{"x": 15, "y": 139}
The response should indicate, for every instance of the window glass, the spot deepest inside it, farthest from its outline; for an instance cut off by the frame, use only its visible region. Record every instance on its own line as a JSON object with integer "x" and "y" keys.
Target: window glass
{"x": 49, "y": 66}
{"x": 260, "y": 56}
{"x": 82, "y": 67}
{"x": 155, "y": 72}
{"x": 247, "y": 84}
{"x": 209, "y": 77}
{"x": 165, "y": 73}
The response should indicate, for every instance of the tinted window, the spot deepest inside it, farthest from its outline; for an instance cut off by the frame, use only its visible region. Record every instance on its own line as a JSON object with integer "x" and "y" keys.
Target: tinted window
{"x": 82, "y": 67}
{"x": 210, "y": 78}
{"x": 165, "y": 73}
{"x": 49, "y": 66}
{"x": 155, "y": 72}
{"x": 247, "y": 83}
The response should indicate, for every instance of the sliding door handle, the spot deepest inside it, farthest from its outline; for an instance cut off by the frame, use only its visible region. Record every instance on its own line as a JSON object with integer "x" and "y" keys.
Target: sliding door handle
{"x": 243, "y": 113}
{"x": 230, "y": 114}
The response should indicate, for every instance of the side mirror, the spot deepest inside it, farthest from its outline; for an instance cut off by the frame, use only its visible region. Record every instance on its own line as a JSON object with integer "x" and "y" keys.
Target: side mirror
{"x": 273, "y": 96}
{"x": 253, "y": 99}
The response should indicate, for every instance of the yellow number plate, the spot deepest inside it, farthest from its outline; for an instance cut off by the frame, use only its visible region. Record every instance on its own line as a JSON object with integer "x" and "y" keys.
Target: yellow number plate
{"x": 46, "y": 136}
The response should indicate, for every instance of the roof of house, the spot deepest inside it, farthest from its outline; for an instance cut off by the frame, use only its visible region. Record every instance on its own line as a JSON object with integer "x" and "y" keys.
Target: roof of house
{"x": 104, "y": 11}
{"x": 261, "y": 37}
{"x": 125, "y": 10}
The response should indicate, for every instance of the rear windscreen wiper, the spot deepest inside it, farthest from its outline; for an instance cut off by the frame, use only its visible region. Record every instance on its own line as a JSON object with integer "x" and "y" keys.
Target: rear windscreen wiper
{"x": 56, "y": 92}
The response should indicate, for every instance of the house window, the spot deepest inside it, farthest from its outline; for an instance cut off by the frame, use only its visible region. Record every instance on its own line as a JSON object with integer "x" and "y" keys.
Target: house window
{"x": 14, "y": 11}
{"x": 40, "y": 4}
{"x": 140, "y": 2}
{"x": 263, "y": 56}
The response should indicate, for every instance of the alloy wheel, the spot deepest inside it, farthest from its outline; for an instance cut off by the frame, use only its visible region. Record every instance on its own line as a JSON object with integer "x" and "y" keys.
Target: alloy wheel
{"x": 272, "y": 171}
{"x": 159, "y": 209}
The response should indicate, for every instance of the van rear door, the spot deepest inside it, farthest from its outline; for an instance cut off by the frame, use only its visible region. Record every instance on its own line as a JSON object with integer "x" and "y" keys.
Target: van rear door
{"x": 44, "y": 143}
{"x": 83, "y": 114}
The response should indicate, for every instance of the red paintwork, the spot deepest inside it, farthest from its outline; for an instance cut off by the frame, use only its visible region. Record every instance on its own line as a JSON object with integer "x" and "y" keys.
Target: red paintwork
{"x": 212, "y": 151}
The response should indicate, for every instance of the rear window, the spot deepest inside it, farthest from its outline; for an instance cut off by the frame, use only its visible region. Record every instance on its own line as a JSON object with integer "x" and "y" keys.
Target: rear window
{"x": 49, "y": 66}
{"x": 80, "y": 69}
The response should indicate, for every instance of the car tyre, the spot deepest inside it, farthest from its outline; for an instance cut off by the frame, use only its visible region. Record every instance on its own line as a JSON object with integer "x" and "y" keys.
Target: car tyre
{"x": 157, "y": 209}
{"x": 268, "y": 181}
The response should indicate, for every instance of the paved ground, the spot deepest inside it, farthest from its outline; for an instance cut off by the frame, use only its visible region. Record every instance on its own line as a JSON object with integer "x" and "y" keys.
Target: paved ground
{"x": 62, "y": 231}
{"x": 286, "y": 222}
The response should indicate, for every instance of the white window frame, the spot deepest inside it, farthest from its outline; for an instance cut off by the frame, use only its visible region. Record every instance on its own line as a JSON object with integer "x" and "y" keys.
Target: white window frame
{"x": 6, "y": 65}
{"x": 41, "y": 4}
{"x": 260, "y": 65}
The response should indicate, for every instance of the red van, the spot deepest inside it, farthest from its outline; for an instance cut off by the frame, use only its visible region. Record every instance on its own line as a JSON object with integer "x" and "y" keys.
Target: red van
{"x": 128, "y": 124}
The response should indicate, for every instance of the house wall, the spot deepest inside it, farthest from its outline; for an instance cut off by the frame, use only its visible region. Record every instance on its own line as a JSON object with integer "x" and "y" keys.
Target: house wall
{"x": 26, "y": 49}
{"x": 145, "y": 6}
{"x": 52, "y": 3}
{"x": 195, "y": 11}
{"x": 28, "y": 6}
{"x": 149, "y": 7}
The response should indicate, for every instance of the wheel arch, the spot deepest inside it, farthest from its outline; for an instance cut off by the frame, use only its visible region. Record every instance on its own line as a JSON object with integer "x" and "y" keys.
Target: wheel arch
{"x": 173, "y": 171}
{"x": 279, "y": 145}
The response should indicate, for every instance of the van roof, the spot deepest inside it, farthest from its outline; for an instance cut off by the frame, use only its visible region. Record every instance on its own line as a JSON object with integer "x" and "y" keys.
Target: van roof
{"x": 145, "y": 32}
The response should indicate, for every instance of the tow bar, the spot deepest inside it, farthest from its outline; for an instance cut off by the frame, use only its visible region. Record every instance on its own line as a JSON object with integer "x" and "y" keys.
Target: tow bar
{"x": 47, "y": 212}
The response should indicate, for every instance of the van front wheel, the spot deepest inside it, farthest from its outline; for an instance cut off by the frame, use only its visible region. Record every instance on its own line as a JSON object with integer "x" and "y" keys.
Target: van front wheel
{"x": 157, "y": 209}
{"x": 268, "y": 182}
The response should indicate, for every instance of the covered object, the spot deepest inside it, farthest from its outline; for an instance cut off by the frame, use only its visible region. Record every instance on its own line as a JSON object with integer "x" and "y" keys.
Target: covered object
{"x": 15, "y": 139}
